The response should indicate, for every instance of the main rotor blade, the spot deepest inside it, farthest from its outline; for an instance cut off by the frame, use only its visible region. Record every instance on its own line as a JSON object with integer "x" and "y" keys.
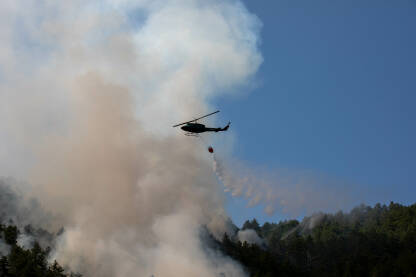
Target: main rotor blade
{"x": 195, "y": 119}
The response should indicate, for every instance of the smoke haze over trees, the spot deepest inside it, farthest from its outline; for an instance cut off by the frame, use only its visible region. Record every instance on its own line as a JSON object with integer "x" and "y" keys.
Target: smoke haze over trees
{"x": 367, "y": 241}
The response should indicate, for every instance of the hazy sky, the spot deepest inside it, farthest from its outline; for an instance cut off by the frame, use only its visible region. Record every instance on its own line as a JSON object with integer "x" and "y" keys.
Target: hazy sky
{"x": 335, "y": 95}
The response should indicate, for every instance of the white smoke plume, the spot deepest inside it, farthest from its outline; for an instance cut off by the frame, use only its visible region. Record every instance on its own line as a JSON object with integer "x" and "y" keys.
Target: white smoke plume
{"x": 290, "y": 192}
{"x": 250, "y": 236}
{"x": 88, "y": 92}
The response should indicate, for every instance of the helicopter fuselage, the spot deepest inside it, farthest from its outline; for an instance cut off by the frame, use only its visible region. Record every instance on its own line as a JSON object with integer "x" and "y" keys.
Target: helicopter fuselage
{"x": 200, "y": 128}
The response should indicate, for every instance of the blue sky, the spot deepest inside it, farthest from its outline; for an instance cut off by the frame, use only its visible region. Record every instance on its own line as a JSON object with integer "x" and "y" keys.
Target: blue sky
{"x": 335, "y": 95}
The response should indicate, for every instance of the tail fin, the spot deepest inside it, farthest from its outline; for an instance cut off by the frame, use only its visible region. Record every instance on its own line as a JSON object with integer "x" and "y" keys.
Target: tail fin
{"x": 226, "y": 127}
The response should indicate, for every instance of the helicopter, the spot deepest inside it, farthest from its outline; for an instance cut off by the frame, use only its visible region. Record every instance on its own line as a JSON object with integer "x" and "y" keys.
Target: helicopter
{"x": 192, "y": 128}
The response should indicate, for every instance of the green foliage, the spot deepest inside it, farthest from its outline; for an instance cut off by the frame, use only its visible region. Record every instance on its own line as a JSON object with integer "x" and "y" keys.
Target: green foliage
{"x": 253, "y": 224}
{"x": 10, "y": 234}
{"x": 378, "y": 241}
{"x": 258, "y": 261}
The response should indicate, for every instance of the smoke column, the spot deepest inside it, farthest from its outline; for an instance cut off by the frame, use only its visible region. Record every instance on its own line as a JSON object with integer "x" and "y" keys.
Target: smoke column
{"x": 88, "y": 92}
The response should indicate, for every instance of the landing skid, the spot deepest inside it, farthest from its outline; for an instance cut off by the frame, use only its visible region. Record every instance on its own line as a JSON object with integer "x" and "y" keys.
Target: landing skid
{"x": 192, "y": 135}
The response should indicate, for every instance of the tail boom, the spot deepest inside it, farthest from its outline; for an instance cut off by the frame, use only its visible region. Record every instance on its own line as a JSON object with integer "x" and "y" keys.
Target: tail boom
{"x": 218, "y": 129}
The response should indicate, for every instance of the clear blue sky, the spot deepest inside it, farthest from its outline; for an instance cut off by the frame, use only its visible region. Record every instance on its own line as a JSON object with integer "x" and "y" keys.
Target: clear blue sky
{"x": 335, "y": 94}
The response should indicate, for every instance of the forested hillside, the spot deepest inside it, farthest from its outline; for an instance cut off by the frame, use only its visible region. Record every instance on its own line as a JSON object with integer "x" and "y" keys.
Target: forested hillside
{"x": 368, "y": 241}
{"x": 18, "y": 261}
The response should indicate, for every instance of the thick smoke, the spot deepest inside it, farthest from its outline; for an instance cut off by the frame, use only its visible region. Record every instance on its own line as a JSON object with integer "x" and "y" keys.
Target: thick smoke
{"x": 89, "y": 90}
{"x": 19, "y": 210}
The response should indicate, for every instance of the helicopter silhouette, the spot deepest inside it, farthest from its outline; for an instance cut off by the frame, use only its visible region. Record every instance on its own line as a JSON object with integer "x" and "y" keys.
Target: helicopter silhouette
{"x": 192, "y": 128}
